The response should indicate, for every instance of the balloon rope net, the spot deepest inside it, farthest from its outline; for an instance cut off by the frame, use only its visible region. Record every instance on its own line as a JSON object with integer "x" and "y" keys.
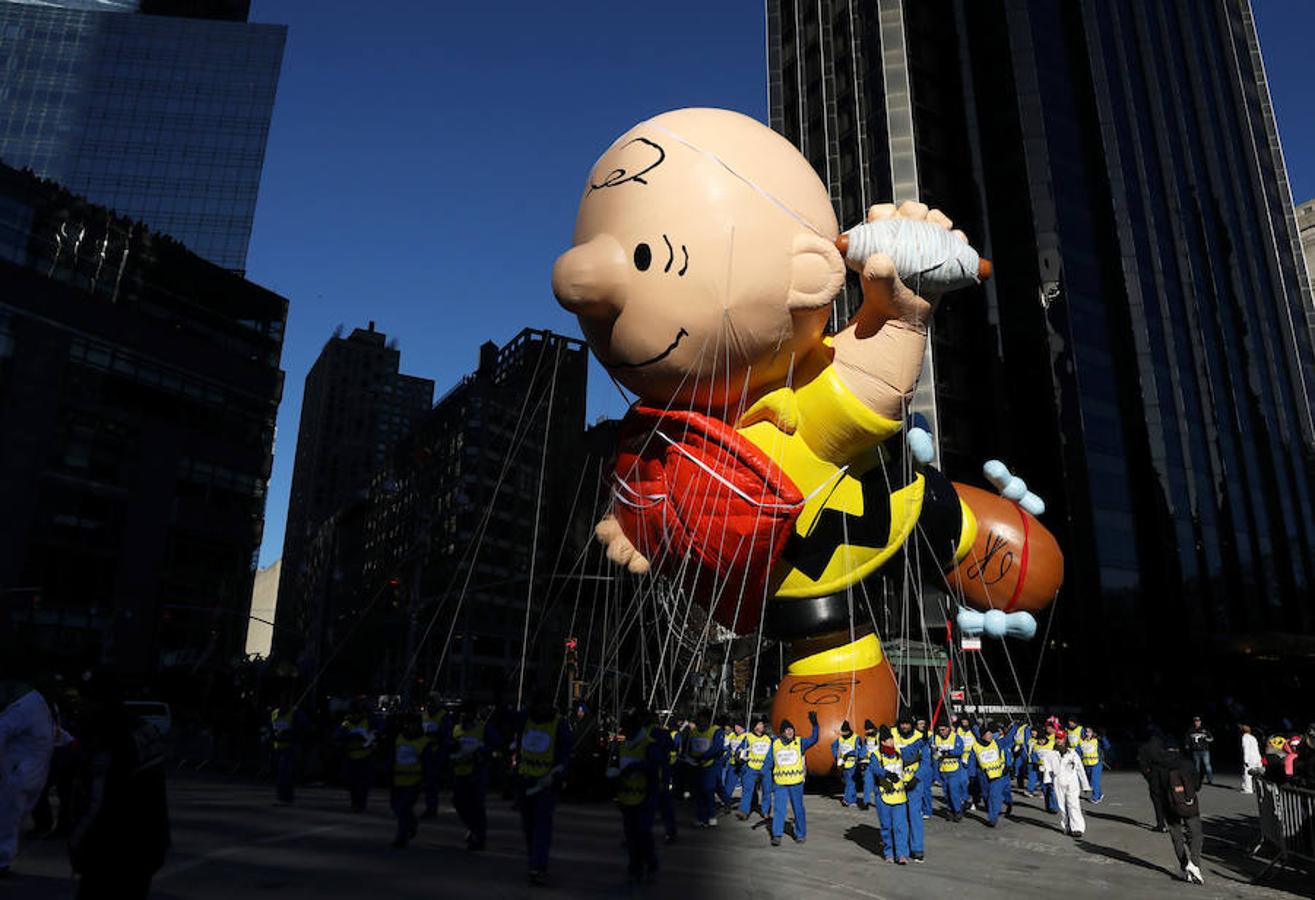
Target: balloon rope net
{"x": 649, "y": 640}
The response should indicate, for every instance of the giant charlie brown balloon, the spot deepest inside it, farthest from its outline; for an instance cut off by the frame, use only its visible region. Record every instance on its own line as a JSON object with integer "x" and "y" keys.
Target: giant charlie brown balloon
{"x": 764, "y": 464}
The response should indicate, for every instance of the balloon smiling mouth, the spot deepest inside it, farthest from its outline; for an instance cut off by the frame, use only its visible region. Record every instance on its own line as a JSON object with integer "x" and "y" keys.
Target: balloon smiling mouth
{"x": 680, "y": 335}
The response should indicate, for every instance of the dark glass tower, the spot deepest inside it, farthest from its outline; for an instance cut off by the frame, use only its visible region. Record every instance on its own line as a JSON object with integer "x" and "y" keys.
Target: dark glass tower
{"x": 1143, "y": 355}
{"x": 158, "y": 110}
{"x": 139, "y": 385}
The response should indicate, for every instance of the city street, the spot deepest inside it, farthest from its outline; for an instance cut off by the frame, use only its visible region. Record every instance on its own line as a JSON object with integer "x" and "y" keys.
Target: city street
{"x": 231, "y": 842}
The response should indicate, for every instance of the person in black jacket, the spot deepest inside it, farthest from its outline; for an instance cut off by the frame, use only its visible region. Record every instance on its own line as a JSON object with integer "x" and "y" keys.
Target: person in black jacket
{"x": 1147, "y": 756}
{"x": 121, "y": 821}
{"x": 1198, "y": 742}
{"x": 1178, "y": 781}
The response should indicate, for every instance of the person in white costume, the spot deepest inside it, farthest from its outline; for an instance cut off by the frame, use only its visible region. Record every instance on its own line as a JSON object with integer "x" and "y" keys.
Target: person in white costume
{"x": 1065, "y": 773}
{"x": 27, "y": 739}
{"x": 1251, "y": 758}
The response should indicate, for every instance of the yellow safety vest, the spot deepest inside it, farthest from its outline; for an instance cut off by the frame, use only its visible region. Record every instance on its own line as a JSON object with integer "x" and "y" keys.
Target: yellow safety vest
{"x": 1018, "y": 738}
{"x": 1090, "y": 749}
{"x": 968, "y": 739}
{"x": 733, "y": 744}
{"x": 990, "y": 759}
{"x": 470, "y": 741}
{"x": 759, "y": 744}
{"x": 632, "y": 782}
{"x": 847, "y": 745}
{"x": 787, "y": 762}
{"x": 949, "y": 762}
{"x": 281, "y": 722}
{"x": 1075, "y": 736}
{"x": 675, "y": 748}
{"x": 407, "y": 765}
{"x": 1037, "y": 744}
{"x": 537, "y": 748}
{"x": 899, "y": 773}
{"x": 700, "y": 742}
{"x": 431, "y": 723}
{"x": 901, "y": 742}
{"x": 359, "y": 739}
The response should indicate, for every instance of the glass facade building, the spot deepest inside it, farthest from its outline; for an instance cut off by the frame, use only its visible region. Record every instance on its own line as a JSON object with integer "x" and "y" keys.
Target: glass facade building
{"x": 160, "y": 117}
{"x": 1143, "y": 354}
{"x": 139, "y": 386}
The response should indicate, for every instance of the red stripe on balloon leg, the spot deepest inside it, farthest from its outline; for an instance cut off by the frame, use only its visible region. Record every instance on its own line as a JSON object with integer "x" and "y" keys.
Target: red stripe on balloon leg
{"x": 1022, "y": 563}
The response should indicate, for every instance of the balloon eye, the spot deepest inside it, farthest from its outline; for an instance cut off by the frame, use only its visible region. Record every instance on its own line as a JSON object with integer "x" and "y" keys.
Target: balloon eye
{"x": 643, "y": 257}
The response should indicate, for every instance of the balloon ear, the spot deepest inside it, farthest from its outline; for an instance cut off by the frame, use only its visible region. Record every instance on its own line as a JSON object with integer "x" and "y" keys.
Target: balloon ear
{"x": 817, "y": 272}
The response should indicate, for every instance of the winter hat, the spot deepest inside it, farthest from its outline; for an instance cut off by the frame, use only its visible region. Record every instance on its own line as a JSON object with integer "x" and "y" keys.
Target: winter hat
{"x": 785, "y": 723}
{"x": 844, "y": 727}
{"x": 868, "y": 726}
{"x": 886, "y": 736}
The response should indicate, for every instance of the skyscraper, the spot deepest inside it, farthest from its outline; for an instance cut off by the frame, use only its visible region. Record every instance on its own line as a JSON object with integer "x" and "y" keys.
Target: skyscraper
{"x": 138, "y": 390}
{"x": 1142, "y": 356}
{"x": 156, "y": 109}
{"x": 463, "y": 536}
{"x": 1306, "y": 226}
{"x": 356, "y": 406}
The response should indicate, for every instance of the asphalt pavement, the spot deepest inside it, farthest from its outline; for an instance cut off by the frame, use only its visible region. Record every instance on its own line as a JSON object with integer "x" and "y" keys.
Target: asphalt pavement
{"x": 231, "y": 842}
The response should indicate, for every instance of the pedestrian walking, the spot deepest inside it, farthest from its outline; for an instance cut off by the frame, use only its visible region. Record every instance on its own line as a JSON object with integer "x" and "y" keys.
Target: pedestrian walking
{"x": 438, "y": 730}
{"x": 733, "y": 773}
{"x": 899, "y": 818}
{"x": 992, "y": 761}
{"x": 1199, "y": 740}
{"x": 1251, "y": 758}
{"x": 948, "y": 753}
{"x": 703, "y": 750}
{"x": 358, "y": 741}
{"x": 1147, "y": 756}
{"x": 1068, "y": 779}
{"x": 542, "y": 755}
{"x": 286, "y": 725}
{"x": 1178, "y": 781}
{"x": 785, "y": 760}
{"x": 757, "y": 777}
{"x": 638, "y": 769}
{"x": 27, "y": 740}
{"x": 121, "y": 817}
{"x": 407, "y": 775}
{"x": 471, "y": 741}
{"x": 846, "y": 750}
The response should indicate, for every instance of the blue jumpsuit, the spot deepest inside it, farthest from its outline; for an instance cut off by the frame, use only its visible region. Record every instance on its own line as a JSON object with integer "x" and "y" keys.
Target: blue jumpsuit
{"x": 869, "y": 772}
{"x": 791, "y": 795}
{"x": 955, "y": 780}
{"x": 995, "y": 789}
{"x": 706, "y": 774}
{"x": 900, "y": 820}
{"x": 1093, "y": 770}
{"x": 847, "y": 762}
{"x": 751, "y": 779}
{"x": 537, "y": 808}
{"x": 733, "y": 771}
{"x": 470, "y": 777}
{"x": 639, "y": 786}
{"x": 917, "y": 755}
{"x": 666, "y": 804}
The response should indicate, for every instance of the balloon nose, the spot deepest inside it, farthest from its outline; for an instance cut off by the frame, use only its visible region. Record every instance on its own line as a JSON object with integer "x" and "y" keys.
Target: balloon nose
{"x": 589, "y": 279}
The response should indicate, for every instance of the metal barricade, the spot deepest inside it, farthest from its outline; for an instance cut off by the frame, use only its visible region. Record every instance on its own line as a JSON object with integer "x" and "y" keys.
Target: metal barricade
{"x": 1287, "y": 822}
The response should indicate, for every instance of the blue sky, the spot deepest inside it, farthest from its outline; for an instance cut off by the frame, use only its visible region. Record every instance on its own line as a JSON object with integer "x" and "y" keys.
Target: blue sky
{"x": 424, "y": 166}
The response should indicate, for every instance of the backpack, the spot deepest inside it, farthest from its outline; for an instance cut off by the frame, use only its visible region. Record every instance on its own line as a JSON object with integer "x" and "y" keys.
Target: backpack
{"x": 1182, "y": 794}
